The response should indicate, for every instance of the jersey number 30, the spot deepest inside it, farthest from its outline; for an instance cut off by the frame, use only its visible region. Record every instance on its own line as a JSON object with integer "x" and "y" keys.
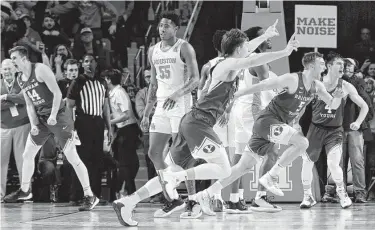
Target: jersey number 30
{"x": 165, "y": 71}
{"x": 33, "y": 95}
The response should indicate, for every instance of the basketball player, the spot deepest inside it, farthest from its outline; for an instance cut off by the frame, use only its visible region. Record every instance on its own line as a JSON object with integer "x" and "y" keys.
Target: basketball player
{"x": 204, "y": 84}
{"x": 48, "y": 115}
{"x": 272, "y": 127}
{"x": 196, "y": 137}
{"x": 174, "y": 74}
{"x": 326, "y": 131}
{"x": 199, "y": 125}
{"x": 245, "y": 111}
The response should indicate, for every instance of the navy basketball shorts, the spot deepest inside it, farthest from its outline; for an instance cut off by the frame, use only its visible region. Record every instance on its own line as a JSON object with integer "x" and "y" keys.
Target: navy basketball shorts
{"x": 196, "y": 139}
{"x": 320, "y": 137}
{"x": 268, "y": 130}
{"x": 63, "y": 130}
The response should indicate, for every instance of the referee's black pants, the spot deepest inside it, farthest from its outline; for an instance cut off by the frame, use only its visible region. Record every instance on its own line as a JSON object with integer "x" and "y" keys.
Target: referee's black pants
{"x": 90, "y": 131}
{"x": 125, "y": 152}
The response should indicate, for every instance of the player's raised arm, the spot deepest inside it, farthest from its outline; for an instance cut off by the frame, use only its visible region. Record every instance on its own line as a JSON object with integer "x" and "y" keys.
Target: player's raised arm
{"x": 333, "y": 102}
{"x": 354, "y": 96}
{"x": 284, "y": 81}
{"x": 263, "y": 58}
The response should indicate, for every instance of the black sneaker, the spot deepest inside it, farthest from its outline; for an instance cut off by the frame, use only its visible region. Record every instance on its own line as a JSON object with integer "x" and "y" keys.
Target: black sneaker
{"x": 169, "y": 208}
{"x": 263, "y": 204}
{"x": 327, "y": 197}
{"x": 18, "y": 195}
{"x": 89, "y": 202}
{"x": 192, "y": 210}
{"x": 360, "y": 197}
{"x": 236, "y": 208}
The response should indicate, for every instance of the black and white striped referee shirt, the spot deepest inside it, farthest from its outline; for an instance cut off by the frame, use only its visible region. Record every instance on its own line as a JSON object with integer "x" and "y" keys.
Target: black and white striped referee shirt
{"x": 89, "y": 94}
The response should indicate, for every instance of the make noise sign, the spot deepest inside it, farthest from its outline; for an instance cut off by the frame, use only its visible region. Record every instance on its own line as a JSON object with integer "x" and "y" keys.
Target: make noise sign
{"x": 316, "y": 26}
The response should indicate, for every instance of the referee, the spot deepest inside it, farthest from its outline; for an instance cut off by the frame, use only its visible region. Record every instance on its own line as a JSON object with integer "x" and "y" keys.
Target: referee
{"x": 88, "y": 93}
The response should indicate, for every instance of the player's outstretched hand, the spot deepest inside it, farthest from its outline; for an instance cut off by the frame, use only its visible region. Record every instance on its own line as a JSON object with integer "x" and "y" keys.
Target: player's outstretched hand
{"x": 293, "y": 44}
{"x": 272, "y": 31}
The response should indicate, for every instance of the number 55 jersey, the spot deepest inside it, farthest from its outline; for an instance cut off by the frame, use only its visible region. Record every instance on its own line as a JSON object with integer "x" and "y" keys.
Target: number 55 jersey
{"x": 171, "y": 75}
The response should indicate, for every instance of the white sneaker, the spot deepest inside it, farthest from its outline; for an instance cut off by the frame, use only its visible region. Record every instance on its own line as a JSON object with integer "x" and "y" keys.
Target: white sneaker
{"x": 308, "y": 201}
{"x": 345, "y": 201}
{"x": 271, "y": 184}
{"x": 204, "y": 200}
{"x": 124, "y": 212}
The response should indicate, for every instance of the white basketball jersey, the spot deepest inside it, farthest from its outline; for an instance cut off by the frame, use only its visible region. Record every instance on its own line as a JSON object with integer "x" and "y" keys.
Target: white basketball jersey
{"x": 171, "y": 72}
{"x": 246, "y": 79}
{"x": 267, "y": 96}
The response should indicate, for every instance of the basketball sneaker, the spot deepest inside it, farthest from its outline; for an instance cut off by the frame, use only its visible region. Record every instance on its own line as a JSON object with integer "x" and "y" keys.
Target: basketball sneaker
{"x": 18, "y": 195}
{"x": 124, "y": 212}
{"x": 345, "y": 200}
{"x": 271, "y": 184}
{"x": 169, "y": 208}
{"x": 192, "y": 210}
{"x": 263, "y": 204}
{"x": 308, "y": 201}
{"x": 237, "y": 208}
{"x": 204, "y": 200}
{"x": 89, "y": 202}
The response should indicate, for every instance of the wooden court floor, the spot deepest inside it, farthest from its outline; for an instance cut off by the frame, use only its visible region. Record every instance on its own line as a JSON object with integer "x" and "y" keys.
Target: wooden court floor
{"x": 58, "y": 216}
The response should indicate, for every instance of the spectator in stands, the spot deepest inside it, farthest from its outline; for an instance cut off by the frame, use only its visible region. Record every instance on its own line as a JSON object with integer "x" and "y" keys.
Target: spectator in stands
{"x": 122, "y": 38}
{"x": 353, "y": 144}
{"x": 71, "y": 67}
{"x": 369, "y": 70}
{"x": 58, "y": 59}
{"x": 32, "y": 40}
{"x": 140, "y": 105}
{"x": 124, "y": 145}
{"x": 90, "y": 15}
{"x": 14, "y": 31}
{"x": 15, "y": 126}
{"x": 88, "y": 46}
{"x": 88, "y": 93}
{"x": 370, "y": 156}
{"x": 52, "y": 35}
{"x": 365, "y": 49}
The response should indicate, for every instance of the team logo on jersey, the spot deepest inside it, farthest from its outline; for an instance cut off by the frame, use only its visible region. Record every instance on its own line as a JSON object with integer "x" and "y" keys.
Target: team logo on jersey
{"x": 208, "y": 149}
{"x": 279, "y": 133}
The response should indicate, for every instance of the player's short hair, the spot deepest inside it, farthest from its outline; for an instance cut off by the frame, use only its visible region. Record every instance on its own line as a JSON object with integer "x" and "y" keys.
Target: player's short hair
{"x": 252, "y": 32}
{"x": 21, "y": 50}
{"x": 231, "y": 40}
{"x": 332, "y": 56}
{"x": 171, "y": 16}
{"x": 89, "y": 55}
{"x": 114, "y": 75}
{"x": 309, "y": 58}
{"x": 70, "y": 62}
{"x": 216, "y": 39}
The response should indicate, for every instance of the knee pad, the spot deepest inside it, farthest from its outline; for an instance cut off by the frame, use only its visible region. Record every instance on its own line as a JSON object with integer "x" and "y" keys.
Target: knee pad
{"x": 253, "y": 154}
{"x": 72, "y": 156}
{"x": 334, "y": 157}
